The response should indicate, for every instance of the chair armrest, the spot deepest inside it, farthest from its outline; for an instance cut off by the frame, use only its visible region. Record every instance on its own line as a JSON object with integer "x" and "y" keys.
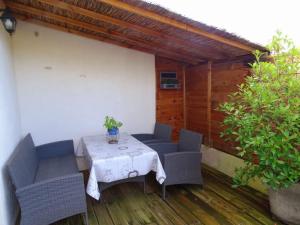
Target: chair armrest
{"x": 143, "y": 137}
{"x": 182, "y": 166}
{"x": 53, "y": 197}
{"x": 163, "y": 148}
{"x": 55, "y": 149}
{"x": 156, "y": 141}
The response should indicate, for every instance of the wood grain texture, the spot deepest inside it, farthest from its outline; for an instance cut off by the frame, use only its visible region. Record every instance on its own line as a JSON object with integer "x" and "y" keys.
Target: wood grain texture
{"x": 203, "y": 100}
{"x": 2, "y": 4}
{"x": 176, "y": 24}
{"x": 160, "y": 48}
{"x": 196, "y": 99}
{"x": 138, "y": 25}
{"x": 225, "y": 80}
{"x": 214, "y": 204}
{"x": 103, "y": 31}
{"x": 170, "y": 103}
{"x": 209, "y": 94}
{"x": 184, "y": 95}
{"x": 118, "y": 22}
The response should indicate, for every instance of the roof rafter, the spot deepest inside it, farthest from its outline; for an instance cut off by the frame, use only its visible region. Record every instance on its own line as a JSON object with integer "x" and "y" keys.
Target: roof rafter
{"x": 94, "y": 28}
{"x": 94, "y": 15}
{"x": 174, "y": 23}
{"x": 83, "y": 34}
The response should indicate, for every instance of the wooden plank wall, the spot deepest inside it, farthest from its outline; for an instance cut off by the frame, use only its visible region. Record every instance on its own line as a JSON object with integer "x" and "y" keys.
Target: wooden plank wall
{"x": 224, "y": 80}
{"x": 170, "y": 103}
{"x": 196, "y": 100}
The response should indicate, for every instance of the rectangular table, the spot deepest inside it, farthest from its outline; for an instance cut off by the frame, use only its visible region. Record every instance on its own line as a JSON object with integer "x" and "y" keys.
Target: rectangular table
{"x": 113, "y": 162}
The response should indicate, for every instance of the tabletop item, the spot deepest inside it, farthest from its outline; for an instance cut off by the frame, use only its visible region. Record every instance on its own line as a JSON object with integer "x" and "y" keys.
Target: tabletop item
{"x": 128, "y": 158}
{"x": 112, "y": 127}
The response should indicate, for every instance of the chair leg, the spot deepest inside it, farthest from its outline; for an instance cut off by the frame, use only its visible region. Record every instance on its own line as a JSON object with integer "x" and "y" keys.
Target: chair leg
{"x": 164, "y": 192}
{"x": 144, "y": 185}
{"x": 86, "y": 219}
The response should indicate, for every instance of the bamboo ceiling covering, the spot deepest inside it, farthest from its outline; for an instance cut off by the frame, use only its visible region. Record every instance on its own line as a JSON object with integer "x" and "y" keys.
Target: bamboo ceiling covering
{"x": 137, "y": 25}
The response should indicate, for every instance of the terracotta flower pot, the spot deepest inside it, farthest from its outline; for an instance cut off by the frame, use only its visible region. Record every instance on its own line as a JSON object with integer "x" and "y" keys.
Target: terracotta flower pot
{"x": 285, "y": 204}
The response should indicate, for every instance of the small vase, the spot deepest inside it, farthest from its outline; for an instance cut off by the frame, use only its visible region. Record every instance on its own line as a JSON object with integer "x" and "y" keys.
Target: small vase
{"x": 112, "y": 135}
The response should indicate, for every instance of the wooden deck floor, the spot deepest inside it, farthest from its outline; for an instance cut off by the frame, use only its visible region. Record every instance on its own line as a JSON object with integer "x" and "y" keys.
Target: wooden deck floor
{"x": 216, "y": 204}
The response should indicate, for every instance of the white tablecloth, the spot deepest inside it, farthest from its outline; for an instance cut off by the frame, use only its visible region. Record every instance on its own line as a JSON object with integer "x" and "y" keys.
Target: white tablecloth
{"x": 112, "y": 162}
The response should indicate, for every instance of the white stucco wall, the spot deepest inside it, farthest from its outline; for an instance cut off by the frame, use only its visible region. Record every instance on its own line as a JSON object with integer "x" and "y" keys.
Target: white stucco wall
{"x": 227, "y": 164}
{"x": 67, "y": 84}
{"x": 10, "y": 131}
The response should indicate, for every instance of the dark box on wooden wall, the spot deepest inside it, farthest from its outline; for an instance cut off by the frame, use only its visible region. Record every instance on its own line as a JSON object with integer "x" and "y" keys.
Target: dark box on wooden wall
{"x": 168, "y": 80}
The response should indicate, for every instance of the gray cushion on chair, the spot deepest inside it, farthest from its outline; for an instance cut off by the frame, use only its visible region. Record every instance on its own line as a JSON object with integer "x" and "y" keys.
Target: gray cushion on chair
{"x": 189, "y": 141}
{"x": 162, "y": 131}
{"x": 23, "y": 163}
{"x": 47, "y": 183}
{"x": 182, "y": 161}
{"x": 56, "y": 167}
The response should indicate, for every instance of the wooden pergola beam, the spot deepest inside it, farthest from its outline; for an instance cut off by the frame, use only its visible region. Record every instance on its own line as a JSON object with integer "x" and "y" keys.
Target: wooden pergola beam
{"x": 94, "y": 28}
{"x": 67, "y": 30}
{"x": 83, "y": 34}
{"x": 97, "y": 16}
{"x": 177, "y": 24}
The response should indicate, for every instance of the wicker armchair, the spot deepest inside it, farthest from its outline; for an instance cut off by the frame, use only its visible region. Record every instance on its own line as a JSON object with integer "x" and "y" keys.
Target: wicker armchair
{"x": 162, "y": 133}
{"x": 47, "y": 182}
{"x": 182, "y": 161}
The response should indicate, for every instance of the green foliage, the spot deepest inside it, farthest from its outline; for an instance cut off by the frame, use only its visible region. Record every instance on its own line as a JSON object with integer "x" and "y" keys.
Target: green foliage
{"x": 111, "y": 123}
{"x": 263, "y": 118}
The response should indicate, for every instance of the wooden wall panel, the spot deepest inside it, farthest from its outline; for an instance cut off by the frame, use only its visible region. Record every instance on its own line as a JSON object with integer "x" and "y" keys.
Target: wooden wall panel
{"x": 225, "y": 80}
{"x": 196, "y": 100}
{"x": 170, "y": 103}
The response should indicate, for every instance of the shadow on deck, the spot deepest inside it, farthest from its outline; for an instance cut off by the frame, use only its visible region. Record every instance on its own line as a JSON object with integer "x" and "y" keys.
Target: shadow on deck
{"x": 216, "y": 204}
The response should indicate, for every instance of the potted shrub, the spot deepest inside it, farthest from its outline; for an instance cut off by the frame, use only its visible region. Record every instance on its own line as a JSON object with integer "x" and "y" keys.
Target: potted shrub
{"x": 263, "y": 119}
{"x": 112, "y": 127}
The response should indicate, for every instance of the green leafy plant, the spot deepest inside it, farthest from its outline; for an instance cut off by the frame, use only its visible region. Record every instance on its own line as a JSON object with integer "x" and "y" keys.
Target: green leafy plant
{"x": 111, "y": 123}
{"x": 263, "y": 118}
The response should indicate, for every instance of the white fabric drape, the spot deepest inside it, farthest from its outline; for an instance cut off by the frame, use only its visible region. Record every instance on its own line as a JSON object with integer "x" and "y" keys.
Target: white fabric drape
{"x": 112, "y": 162}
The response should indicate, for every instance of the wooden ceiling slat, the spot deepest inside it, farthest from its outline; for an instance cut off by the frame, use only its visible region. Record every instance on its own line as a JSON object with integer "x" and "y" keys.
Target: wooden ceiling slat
{"x": 84, "y": 34}
{"x": 174, "y": 23}
{"x": 202, "y": 52}
{"x": 69, "y": 30}
{"x": 83, "y": 25}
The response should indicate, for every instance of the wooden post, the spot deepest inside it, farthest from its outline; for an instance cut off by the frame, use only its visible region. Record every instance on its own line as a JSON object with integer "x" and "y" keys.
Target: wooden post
{"x": 209, "y": 102}
{"x": 184, "y": 95}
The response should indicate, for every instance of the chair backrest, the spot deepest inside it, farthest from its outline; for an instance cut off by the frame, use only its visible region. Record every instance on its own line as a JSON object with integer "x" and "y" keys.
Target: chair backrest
{"x": 23, "y": 163}
{"x": 189, "y": 141}
{"x": 162, "y": 131}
